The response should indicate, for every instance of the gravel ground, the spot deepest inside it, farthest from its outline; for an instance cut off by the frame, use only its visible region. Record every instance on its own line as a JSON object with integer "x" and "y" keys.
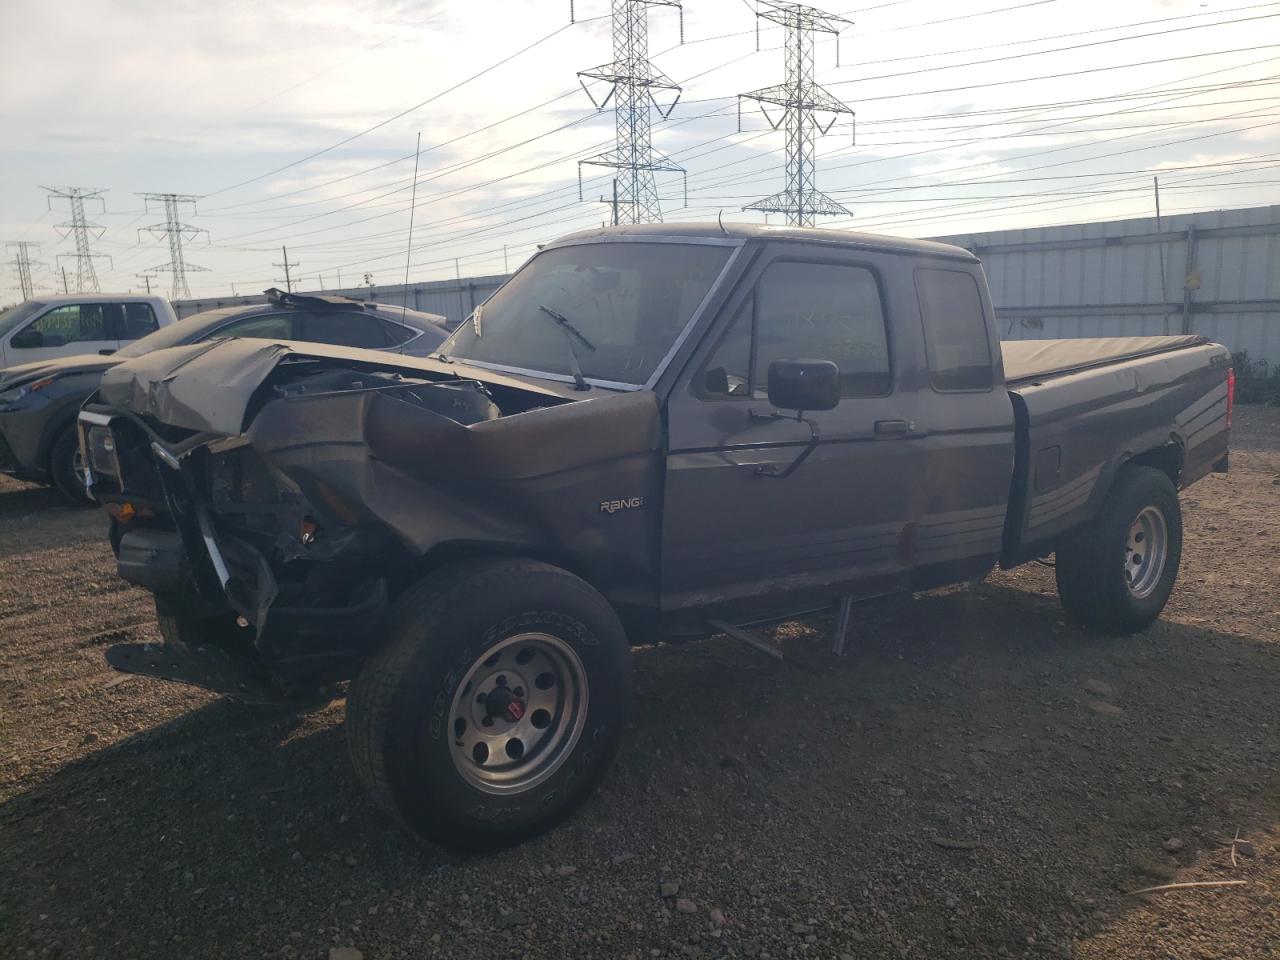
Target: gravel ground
{"x": 977, "y": 779}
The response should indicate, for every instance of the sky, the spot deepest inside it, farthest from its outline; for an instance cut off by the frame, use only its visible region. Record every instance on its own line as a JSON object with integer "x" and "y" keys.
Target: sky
{"x": 295, "y": 124}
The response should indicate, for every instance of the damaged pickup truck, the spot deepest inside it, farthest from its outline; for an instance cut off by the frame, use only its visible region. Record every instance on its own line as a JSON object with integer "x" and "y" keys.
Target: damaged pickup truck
{"x": 648, "y": 433}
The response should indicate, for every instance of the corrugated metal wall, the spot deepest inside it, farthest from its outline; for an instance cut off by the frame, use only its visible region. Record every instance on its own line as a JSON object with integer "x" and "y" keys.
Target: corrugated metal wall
{"x": 1220, "y": 277}
{"x": 1082, "y": 280}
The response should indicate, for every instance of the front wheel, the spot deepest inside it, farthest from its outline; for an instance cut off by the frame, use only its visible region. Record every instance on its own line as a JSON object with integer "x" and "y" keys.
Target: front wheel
{"x": 66, "y": 468}
{"x": 1117, "y": 572}
{"x": 496, "y": 704}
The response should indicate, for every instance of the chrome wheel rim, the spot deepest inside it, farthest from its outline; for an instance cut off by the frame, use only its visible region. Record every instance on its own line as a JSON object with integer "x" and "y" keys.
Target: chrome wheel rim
{"x": 518, "y": 713}
{"x": 78, "y": 469}
{"x": 1145, "y": 552}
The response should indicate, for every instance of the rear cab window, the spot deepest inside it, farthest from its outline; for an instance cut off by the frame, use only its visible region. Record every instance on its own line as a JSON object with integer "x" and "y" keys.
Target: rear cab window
{"x": 811, "y": 311}
{"x": 139, "y": 320}
{"x": 957, "y": 340}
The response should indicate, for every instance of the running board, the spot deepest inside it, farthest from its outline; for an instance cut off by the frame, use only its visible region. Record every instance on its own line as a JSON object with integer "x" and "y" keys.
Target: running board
{"x": 755, "y": 643}
{"x": 844, "y": 613}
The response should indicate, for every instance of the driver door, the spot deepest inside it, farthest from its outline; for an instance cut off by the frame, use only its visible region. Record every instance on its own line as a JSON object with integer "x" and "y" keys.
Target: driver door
{"x": 843, "y": 520}
{"x": 67, "y": 330}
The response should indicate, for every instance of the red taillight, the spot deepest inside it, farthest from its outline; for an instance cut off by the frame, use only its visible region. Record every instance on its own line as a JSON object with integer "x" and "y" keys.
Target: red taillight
{"x": 1231, "y": 393}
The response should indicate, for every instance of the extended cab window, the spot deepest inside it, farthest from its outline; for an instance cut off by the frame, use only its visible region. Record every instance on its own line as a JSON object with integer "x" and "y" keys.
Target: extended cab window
{"x": 74, "y": 323}
{"x": 955, "y": 330}
{"x": 139, "y": 320}
{"x": 809, "y": 311}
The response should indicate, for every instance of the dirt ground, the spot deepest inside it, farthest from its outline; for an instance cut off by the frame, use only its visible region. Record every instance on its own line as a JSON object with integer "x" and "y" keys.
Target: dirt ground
{"x": 977, "y": 779}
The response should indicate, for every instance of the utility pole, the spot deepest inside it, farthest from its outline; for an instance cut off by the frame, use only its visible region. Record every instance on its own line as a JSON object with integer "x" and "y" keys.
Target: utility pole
{"x": 80, "y": 228}
{"x": 288, "y": 281}
{"x": 802, "y": 102}
{"x": 176, "y": 231}
{"x": 614, "y": 202}
{"x": 66, "y": 285}
{"x": 1164, "y": 284}
{"x": 22, "y": 262}
{"x": 145, "y": 278}
{"x": 634, "y": 86}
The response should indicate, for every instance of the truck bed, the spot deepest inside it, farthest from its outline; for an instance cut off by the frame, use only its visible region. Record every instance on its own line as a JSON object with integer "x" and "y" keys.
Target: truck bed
{"x": 1083, "y": 408}
{"x": 1026, "y": 360}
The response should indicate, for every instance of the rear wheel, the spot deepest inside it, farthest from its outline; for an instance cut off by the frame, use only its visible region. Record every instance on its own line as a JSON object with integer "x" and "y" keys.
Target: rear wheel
{"x": 1117, "y": 572}
{"x": 496, "y": 705}
{"x": 66, "y": 467}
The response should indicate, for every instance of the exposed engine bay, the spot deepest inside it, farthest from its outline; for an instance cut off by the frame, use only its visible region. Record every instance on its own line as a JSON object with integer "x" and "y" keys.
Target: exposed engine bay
{"x": 300, "y": 492}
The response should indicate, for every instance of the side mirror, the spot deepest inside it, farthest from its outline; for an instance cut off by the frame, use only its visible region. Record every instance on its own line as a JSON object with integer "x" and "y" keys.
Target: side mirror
{"x": 804, "y": 384}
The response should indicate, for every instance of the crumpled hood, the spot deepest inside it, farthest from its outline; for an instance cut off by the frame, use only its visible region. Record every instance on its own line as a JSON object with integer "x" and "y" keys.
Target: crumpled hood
{"x": 209, "y": 387}
{"x": 60, "y": 366}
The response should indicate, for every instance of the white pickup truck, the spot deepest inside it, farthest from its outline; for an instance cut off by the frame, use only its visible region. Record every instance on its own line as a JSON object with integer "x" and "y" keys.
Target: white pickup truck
{"x": 67, "y": 325}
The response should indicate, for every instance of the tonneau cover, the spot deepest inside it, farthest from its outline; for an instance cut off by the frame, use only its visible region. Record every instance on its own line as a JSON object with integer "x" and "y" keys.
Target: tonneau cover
{"x": 1030, "y": 359}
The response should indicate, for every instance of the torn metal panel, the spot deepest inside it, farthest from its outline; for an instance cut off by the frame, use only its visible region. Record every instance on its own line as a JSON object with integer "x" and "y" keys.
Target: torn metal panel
{"x": 212, "y": 386}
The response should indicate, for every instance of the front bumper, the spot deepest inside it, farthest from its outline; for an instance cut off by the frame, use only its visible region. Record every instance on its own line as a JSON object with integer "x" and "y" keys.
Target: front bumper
{"x": 312, "y": 613}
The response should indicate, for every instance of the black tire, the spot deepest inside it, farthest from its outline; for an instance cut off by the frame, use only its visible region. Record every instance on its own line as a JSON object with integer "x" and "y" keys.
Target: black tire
{"x": 64, "y": 466}
{"x": 403, "y": 741}
{"x": 1094, "y": 563}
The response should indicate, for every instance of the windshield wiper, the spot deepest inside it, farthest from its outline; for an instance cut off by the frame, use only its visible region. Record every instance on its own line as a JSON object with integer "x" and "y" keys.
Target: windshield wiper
{"x": 571, "y": 333}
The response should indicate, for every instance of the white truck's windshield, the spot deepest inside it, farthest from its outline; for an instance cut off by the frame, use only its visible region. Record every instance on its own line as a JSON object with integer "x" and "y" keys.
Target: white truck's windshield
{"x": 623, "y": 306}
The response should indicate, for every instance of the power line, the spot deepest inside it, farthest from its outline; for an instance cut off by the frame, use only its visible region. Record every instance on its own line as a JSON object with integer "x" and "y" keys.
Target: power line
{"x": 403, "y": 113}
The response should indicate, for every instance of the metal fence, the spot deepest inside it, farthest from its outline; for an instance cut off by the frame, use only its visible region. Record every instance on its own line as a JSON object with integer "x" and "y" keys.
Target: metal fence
{"x": 1213, "y": 273}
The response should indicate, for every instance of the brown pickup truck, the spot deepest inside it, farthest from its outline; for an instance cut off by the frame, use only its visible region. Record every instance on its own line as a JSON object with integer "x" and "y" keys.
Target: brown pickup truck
{"x": 648, "y": 433}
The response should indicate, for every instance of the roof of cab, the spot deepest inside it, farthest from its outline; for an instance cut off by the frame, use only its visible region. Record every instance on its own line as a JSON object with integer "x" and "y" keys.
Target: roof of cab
{"x": 55, "y": 299}
{"x": 756, "y": 231}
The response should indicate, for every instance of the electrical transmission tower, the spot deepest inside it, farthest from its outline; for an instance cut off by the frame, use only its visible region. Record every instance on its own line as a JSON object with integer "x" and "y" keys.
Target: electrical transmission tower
{"x": 176, "y": 231}
{"x": 803, "y": 104}
{"x": 77, "y": 226}
{"x": 22, "y": 262}
{"x": 634, "y": 86}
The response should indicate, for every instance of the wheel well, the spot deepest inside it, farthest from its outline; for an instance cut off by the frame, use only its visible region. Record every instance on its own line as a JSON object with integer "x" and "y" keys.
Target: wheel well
{"x": 640, "y": 621}
{"x": 51, "y": 439}
{"x": 1167, "y": 459}
{"x": 454, "y": 552}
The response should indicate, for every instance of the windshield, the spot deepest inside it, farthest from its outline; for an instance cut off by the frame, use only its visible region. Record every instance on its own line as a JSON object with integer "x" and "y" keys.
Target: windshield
{"x": 628, "y": 301}
{"x": 10, "y": 318}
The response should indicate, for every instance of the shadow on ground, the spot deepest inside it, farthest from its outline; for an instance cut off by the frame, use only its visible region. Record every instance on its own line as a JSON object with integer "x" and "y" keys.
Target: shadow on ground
{"x": 976, "y": 776}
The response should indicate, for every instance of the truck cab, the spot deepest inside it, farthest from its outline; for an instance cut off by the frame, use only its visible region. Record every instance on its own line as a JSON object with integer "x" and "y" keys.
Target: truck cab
{"x": 47, "y": 328}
